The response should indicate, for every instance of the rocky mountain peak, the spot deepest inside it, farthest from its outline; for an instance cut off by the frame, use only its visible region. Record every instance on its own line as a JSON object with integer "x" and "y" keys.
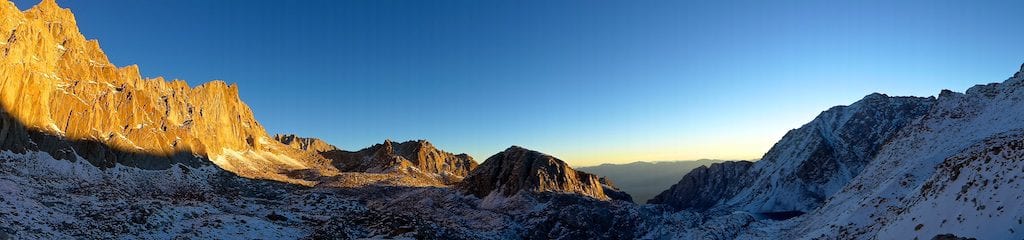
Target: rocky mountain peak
{"x": 49, "y": 8}
{"x": 519, "y": 169}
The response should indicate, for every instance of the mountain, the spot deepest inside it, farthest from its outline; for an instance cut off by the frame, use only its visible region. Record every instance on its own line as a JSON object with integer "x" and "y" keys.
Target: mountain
{"x": 644, "y": 180}
{"x": 807, "y": 165}
{"x": 518, "y": 170}
{"x": 314, "y": 145}
{"x": 407, "y": 158}
{"x": 69, "y": 98}
{"x": 954, "y": 170}
{"x": 698, "y": 188}
{"x": 949, "y": 168}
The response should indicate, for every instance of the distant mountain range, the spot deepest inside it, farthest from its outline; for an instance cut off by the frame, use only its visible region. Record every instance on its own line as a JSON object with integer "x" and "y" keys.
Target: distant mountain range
{"x": 90, "y": 150}
{"x": 644, "y": 180}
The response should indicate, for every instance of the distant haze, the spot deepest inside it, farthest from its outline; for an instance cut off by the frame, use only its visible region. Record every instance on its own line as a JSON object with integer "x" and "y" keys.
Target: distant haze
{"x": 644, "y": 180}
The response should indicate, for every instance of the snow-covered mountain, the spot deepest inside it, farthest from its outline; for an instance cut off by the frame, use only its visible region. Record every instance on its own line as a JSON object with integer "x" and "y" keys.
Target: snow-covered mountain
{"x": 950, "y": 171}
{"x": 943, "y": 167}
{"x": 806, "y": 166}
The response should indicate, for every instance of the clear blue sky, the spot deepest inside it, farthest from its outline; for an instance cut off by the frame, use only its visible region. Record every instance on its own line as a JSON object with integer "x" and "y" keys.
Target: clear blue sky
{"x": 587, "y": 81}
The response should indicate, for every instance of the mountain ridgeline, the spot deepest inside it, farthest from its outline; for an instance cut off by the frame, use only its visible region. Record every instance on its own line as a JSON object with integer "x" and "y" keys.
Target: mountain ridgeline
{"x": 313, "y": 145}
{"x": 807, "y": 165}
{"x": 91, "y": 150}
{"x": 410, "y": 157}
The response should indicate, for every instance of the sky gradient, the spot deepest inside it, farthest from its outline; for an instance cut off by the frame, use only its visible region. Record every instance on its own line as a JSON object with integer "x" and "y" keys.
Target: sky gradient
{"x": 589, "y": 82}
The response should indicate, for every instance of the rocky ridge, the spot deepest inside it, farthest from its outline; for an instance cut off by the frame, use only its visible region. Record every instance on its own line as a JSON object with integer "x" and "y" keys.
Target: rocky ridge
{"x": 951, "y": 171}
{"x": 807, "y": 165}
{"x": 313, "y": 145}
{"x": 418, "y": 157}
{"x": 697, "y": 188}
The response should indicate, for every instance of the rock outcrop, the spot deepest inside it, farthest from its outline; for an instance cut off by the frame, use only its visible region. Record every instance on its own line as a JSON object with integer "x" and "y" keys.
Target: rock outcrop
{"x": 313, "y": 145}
{"x": 705, "y": 186}
{"x": 613, "y": 191}
{"x": 410, "y": 157}
{"x": 522, "y": 170}
{"x": 63, "y": 90}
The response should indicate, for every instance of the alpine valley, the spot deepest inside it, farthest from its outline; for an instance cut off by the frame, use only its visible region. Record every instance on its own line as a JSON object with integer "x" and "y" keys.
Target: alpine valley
{"x": 89, "y": 150}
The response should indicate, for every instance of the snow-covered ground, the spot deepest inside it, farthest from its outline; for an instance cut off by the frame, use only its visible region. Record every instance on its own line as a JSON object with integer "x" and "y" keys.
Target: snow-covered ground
{"x": 44, "y": 198}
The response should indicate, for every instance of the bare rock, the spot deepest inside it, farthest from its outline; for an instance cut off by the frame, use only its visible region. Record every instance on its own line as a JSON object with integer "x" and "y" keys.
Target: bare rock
{"x": 518, "y": 169}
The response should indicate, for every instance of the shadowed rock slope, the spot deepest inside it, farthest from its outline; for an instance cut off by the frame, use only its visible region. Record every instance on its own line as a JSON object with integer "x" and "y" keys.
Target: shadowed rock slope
{"x": 715, "y": 180}
{"x": 518, "y": 169}
{"x": 644, "y": 180}
{"x": 807, "y": 165}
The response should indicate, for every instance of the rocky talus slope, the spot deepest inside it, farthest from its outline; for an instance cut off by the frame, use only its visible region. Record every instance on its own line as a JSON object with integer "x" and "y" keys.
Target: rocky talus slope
{"x": 56, "y": 83}
{"x": 518, "y": 170}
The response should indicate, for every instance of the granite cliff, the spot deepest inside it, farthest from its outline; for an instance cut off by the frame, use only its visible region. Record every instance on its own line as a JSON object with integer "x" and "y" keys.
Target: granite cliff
{"x": 69, "y": 98}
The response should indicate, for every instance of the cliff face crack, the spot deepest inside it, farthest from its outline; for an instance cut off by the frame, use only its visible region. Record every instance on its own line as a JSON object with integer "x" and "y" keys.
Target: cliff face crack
{"x": 67, "y": 121}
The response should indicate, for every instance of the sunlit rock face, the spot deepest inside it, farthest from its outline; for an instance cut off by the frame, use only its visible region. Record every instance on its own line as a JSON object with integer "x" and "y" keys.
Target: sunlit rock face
{"x": 55, "y": 82}
{"x": 518, "y": 169}
{"x": 313, "y": 145}
{"x": 418, "y": 157}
